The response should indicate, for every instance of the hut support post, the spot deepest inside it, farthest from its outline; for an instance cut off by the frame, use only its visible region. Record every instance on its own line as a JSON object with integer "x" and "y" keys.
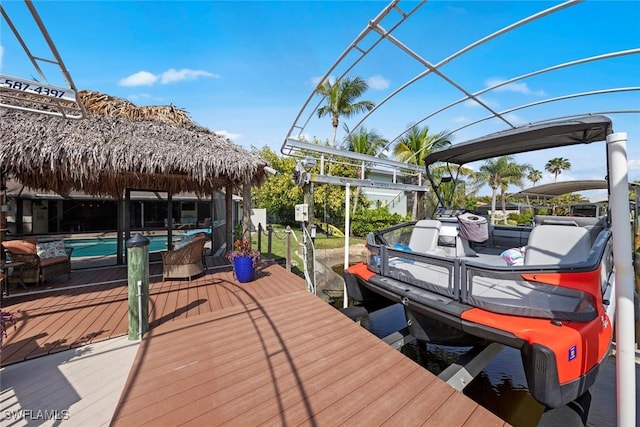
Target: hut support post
{"x": 169, "y": 220}
{"x": 228, "y": 206}
{"x": 127, "y": 215}
{"x": 246, "y": 211}
{"x": 120, "y": 226}
{"x": 211, "y": 212}
{"x": 3, "y": 213}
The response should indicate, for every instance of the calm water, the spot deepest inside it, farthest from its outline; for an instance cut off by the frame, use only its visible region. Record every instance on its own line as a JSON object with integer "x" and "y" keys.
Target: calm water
{"x": 106, "y": 246}
{"x": 501, "y": 387}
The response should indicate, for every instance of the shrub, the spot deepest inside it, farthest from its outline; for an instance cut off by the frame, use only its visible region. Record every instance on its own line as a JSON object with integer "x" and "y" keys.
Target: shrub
{"x": 373, "y": 220}
{"x": 519, "y": 218}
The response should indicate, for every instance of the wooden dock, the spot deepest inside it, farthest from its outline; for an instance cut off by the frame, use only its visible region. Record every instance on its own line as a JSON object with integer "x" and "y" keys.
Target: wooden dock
{"x": 266, "y": 352}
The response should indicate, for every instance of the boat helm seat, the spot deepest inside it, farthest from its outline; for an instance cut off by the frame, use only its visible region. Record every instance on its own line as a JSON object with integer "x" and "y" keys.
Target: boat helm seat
{"x": 424, "y": 237}
{"x": 557, "y": 245}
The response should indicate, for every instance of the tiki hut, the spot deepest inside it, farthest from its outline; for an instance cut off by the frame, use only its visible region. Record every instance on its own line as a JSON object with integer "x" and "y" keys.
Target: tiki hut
{"x": 119, "y": 147}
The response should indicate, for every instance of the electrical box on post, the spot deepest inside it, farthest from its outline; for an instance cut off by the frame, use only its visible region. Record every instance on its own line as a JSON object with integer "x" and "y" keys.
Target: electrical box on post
{"x": 302, "y": 213}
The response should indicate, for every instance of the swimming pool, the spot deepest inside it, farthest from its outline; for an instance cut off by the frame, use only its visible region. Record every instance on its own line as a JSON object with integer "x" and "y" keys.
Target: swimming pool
{"x": 105, "y": 246}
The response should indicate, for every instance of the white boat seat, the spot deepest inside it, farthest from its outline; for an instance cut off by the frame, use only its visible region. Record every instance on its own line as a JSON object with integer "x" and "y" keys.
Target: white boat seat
{"x": 557, "y": 245}
{"x": 424, "y": 237}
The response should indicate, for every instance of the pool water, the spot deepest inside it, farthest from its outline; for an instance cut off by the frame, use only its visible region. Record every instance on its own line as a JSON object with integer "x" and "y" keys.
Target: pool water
{"x": 106, "y": 246}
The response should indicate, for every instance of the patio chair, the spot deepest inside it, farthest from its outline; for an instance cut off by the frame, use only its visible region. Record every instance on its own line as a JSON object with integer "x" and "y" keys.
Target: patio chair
{"x": 41, "y": 260}
{"x": 184, "y": 262}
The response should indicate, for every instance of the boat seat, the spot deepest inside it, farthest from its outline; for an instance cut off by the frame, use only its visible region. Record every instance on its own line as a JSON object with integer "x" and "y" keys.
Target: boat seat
{"x": 557, "y": 245}
{"x": 424, "y": 237}
{"x": 594, "y": 225}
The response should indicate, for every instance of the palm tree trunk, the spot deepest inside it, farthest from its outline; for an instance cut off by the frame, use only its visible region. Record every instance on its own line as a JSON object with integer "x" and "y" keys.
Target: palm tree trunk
{"x": 357, "y": 192}
{"x": 493, "y": 205}
{"x": 503, "y": 202}
{"x": 355, "y": 200}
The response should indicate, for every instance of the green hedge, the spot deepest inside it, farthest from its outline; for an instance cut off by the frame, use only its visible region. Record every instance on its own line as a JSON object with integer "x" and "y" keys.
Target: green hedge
{"x": 367, "y": 221}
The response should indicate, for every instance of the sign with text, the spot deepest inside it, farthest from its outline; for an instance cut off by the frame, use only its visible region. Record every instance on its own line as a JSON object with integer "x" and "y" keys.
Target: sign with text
{"x": 36, "y": 88}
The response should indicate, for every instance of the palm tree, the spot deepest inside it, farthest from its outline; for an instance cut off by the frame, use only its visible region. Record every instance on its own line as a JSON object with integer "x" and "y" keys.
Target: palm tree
{"x": 364, "y": 142}
{"x": 557, "y": 165}
{"x": 340, "y": 100}
{"x": 499, "y": 173}
{"x": 514, "y": 176}
{"x": 534, "y": 176}
{"x": 414, "y": 145}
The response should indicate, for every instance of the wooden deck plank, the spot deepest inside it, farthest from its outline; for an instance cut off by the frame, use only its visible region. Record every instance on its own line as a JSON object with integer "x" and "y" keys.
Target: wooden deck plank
{"x": 182, "y": 351}
{"x": 96, "y": 297}
{"x": 372, "y": 391}
{"x": 217, "y": 388}
{"x": 96, "y": 319}
{"x": 425, "y": 402}
{"x": 264, "y": 352}
{"x": 483, "y": 417}
{"x": 248, "y": 392}
{"x": 319, "y": 372}
{"x": 378, "y": 412}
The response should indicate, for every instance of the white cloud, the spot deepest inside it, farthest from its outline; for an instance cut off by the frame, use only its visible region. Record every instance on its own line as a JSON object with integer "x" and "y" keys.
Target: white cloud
{"x": 522, "y": 88}
{"x": 141, "y": 78}
{"x": 227, "y": 134}
{"x": 515, "y": 119}
{"x": 137, "y": 96}
{"x": 460, "y": 119}
{"x": 470, "y": 103}
{"x": 145, "y": 78}
{"x": 316, "y": 80}
{"x": 1, "y": 55}
{"x": 172, "y": 75}
{"x": 633, "y": 164}
{"x": 378, "y": 82}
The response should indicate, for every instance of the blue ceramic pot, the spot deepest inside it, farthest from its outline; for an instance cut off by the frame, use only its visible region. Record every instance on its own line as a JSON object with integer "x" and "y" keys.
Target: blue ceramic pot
{"x": 243, "y": 266}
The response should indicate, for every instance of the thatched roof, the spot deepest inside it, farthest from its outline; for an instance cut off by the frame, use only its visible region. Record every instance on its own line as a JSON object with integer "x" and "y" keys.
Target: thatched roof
{"x": 121, "y": 146}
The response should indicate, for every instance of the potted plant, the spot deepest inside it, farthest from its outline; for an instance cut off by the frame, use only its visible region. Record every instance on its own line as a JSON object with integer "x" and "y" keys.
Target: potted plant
{"x": 244, "y": 260}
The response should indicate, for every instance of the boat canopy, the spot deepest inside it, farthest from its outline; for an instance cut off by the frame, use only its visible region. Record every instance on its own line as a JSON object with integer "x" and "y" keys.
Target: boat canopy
{"x": 532, "y": 137}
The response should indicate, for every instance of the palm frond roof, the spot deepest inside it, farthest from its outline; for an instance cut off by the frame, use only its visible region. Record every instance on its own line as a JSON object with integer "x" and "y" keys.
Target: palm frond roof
{"x": 120, "y": 145}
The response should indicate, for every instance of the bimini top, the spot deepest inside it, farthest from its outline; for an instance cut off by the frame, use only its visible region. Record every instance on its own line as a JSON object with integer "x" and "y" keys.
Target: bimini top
{"x": 532, "y": 137}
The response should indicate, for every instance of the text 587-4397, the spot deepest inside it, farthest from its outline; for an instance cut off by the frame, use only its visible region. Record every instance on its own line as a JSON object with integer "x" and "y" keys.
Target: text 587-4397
{"x": 31, "y": 88}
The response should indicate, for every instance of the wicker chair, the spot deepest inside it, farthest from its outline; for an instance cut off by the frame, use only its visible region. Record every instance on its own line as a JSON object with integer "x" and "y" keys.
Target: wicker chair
{"x": 36, "y": 269}
{"x": 185, "y": 262}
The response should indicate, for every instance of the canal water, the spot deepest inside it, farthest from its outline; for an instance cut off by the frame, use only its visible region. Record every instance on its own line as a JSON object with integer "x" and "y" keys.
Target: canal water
{"x": 502, "y": 386}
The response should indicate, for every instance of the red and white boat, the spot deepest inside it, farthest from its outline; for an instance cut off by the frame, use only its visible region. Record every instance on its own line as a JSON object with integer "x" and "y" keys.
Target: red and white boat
{"x": 551, "y": 296}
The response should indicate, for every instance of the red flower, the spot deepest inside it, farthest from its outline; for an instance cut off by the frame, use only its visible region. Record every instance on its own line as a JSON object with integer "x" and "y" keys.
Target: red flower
{"x": 242, "y": 248}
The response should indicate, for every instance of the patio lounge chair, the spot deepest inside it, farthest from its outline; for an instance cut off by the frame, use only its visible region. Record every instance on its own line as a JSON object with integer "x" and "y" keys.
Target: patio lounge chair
{"x": 42, "y": 260}
{"x": 185, "y": 261}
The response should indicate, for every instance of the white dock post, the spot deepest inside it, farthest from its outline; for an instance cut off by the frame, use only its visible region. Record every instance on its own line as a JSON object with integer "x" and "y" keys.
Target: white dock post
{"x": 347, "y": 226}
{"x": 622, "y": 249}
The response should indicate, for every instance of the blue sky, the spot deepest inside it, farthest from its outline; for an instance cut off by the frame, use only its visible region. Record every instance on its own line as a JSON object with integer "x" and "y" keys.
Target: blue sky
{"x": 245, "y": 69}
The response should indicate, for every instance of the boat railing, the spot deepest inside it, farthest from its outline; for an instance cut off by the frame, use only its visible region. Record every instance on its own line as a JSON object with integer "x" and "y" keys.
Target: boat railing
{"x": 524, "y": 290}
